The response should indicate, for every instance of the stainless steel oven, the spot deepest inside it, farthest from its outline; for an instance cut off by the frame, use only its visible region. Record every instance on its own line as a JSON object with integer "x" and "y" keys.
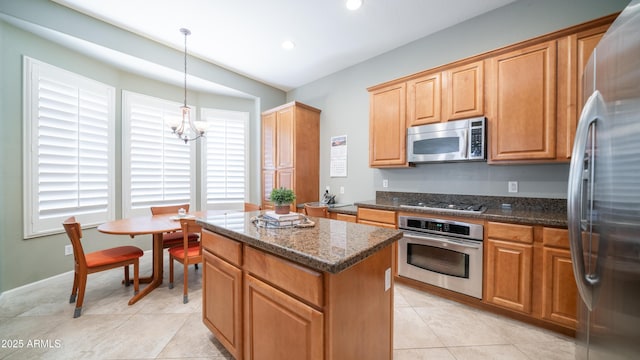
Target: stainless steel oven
{"x": 442, "y": 253}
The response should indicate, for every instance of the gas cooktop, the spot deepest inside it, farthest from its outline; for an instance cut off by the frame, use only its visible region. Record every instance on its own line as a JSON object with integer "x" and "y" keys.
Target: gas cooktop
{"x": 444, "y": 206}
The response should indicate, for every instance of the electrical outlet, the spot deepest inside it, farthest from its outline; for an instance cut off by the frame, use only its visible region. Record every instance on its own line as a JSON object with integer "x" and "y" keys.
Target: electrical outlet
{"x": 513, "y": 186}
{"x": 68, "y": 250}
{"x": 341, "y": 189}
{"x": 385, "y": 183}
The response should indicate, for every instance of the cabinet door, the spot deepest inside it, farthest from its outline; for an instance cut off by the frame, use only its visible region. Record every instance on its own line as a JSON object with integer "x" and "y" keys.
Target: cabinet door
{"x": 464, "y": 91}
{"x": 269, "y": 141}
{"x": 509, "y": 274}
{"x": 222, "y": 302}
{"x": 277, "y": 326}
{"x": 387, "y": 127}
{"x": 522, "y": 91}
{"x": 284, "y": 135}
{"x": 424, "y": 100}
{"x": 559, "y": 291}
{"x": 268, "y": 184}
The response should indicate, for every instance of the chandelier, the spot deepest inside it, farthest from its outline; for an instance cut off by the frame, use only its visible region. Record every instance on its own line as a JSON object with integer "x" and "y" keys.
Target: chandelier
{"x": 187, "y": 129}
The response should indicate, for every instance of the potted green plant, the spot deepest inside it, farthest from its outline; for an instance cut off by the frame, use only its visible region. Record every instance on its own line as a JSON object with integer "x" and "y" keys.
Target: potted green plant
{"x": 282, "y": 198}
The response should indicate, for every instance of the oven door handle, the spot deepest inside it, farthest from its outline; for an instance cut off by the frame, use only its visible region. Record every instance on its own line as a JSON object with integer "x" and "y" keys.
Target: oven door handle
{"x": 449, "y": 243}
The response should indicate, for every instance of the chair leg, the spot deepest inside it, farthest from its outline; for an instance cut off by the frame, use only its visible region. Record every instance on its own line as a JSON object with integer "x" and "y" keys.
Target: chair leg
{"x": 82, "y": 283}
{"x": 126, "y": 275}
{"x": 170, "y": 272}
{"x": 136, "y": 276}
{"x": 185, "y": 295}
{"x": 74, "y": 291}
{"x": 195, "y": 266}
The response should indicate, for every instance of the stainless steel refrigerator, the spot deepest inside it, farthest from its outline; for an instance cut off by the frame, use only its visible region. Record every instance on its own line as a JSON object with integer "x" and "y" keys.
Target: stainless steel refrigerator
{"x": 603, "y": 200}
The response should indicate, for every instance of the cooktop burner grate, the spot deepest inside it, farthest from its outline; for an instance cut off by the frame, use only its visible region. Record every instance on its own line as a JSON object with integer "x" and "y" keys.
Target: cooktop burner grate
{"x": 444, "y": 206}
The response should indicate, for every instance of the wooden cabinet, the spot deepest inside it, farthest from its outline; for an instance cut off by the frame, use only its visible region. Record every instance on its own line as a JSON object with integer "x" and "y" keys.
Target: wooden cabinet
{"x": 387, "y": 127}
{"x": 463, "y": 91}
{"x": 573, "y": 53}
{"x": 508, "y": 266}
{"x": 343, "y": 217}
{"x": 522, "y": 104}
{"x": 454, "y": 93}
{"x": 261, "y": 306}
{"x": 222, "y": 291}
{"x": 559, "y": 290}
{"x": 291, "y": 152}
{"x": 377, "y": 217}
{"x": 424, "y": 99}
{"x": 278, "y": 326}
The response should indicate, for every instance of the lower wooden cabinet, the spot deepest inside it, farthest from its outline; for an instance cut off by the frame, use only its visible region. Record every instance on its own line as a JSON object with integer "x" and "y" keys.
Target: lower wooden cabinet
{"x": 559, "y": 290}
{"x": 528, "y": 270}
{"x": 377, "y": 217}
{"x": 278, "y": 326}
{"x": 509, "y": 274}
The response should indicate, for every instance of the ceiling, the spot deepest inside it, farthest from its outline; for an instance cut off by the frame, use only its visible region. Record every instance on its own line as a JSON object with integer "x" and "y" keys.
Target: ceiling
{"x": 245, "y": 36}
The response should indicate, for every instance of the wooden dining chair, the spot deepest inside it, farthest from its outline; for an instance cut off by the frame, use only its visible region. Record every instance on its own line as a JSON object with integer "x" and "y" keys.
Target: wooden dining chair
{"x": 251, "y": 207}
{"x": 172, "y": 239}
{"x": 96, "y": 261}
{"x": 317, "y": 211}
{"x": 187, "y": 253}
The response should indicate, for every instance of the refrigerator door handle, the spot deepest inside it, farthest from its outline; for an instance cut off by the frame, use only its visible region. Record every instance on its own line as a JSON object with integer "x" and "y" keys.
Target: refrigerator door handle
{"x": 593, "y": 108}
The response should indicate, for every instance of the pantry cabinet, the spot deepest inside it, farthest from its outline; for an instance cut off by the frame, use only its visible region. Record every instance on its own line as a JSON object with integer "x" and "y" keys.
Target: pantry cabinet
{"x": 387, "y": 127}
{"x": 508, "y": 266}
{"x": 522, "y": 104}
{"x": 291, "y": 152}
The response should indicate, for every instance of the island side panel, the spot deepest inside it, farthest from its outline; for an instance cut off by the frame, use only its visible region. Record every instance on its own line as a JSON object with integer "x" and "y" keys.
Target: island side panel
{"x": 359, "y": 315}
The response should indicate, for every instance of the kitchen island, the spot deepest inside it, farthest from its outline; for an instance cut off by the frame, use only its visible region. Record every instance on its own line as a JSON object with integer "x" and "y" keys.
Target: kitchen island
{"x": 323, "y": 292}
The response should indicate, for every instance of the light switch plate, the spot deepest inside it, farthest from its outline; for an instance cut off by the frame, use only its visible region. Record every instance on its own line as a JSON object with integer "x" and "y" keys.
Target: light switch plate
{"x": 385, "y": 183}
{"x": 387, "y": 279}
{"x": 513, "y": 186}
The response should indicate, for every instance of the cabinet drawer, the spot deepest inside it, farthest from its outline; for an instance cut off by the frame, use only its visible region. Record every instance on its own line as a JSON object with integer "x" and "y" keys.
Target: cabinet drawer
{"x": 510, "y": 232}
{"x": 227, "y": 249}
{"x": 295, "y": 279}
{"x": 555, "y": 237}
{"x": 381, "y": 216}
{"x": 345, "y": 217}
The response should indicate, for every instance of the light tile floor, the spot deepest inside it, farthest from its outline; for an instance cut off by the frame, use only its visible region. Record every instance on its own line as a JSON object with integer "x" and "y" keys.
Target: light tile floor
{"x": 36, "y": 322}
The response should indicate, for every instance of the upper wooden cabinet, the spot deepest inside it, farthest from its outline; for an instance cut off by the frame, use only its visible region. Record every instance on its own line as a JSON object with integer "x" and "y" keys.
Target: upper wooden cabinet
{"x": 573, "y": 53}
{"x": 424, "y": 99}
{"x": 387, "y": 127}
{"x": 522, "y": 104}
{"x": 452, "y": 94}
{"x": 463, "y": 91}
{"x": 291, "y": 152}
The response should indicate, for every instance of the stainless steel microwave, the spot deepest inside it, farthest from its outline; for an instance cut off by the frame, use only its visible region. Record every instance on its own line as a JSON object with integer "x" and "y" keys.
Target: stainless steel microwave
{"x": 457, "y": 140}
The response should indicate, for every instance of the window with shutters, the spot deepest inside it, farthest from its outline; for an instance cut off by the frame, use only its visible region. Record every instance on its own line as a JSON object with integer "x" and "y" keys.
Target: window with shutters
{"x": 69, "y": 154}
{"x": 225, "y": 159}
{"x": 157, "y": 167}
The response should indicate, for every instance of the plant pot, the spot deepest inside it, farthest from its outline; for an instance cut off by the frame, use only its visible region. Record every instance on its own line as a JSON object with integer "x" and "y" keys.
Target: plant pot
{"x": 282, "y": 209}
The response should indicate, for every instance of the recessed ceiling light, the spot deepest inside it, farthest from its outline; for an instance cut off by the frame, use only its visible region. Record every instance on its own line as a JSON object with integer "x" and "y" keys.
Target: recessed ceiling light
{"x": 354, "y": 4}
{"x": 288, "y": 45}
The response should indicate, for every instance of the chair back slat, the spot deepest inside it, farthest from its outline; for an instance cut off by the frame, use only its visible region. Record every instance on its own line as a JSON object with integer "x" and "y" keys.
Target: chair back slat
{"x": 170, "y": 209}
{"x": 74, "y": 232}
{"x": 318, "y": 211}
{"x": 189, "y": 226}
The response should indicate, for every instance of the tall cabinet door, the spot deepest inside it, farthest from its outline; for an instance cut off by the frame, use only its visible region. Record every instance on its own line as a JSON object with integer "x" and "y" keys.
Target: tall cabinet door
{"x": 269, "y": 141}
{"x": 284, "y": 135}
{"x": 522, "y": 87}
{"x": 387, "y": 127}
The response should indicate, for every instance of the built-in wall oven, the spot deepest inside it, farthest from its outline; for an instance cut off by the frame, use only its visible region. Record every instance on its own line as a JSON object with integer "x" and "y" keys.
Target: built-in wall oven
{"x": 442, "y": 253}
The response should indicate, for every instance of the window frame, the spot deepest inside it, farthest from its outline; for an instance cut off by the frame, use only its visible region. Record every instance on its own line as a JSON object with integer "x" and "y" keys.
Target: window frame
{"x": 33, "y": 224}
{"x": 127, "y": 209}
{"x": 231, "y": 115}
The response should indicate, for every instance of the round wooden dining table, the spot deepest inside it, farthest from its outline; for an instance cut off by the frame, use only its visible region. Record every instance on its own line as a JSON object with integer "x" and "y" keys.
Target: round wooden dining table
{"x": 156, "y": 225}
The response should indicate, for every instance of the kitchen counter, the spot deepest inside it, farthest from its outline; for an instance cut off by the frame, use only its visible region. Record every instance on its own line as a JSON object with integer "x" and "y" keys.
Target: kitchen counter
{"x": 330, "y": 246}
{"x": 531, "y": 211}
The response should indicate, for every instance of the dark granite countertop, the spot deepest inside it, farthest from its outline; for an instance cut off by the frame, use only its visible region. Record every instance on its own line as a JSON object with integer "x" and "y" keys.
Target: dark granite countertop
{"x": 531, "y": 211}
{"x": 330, "y": 246}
